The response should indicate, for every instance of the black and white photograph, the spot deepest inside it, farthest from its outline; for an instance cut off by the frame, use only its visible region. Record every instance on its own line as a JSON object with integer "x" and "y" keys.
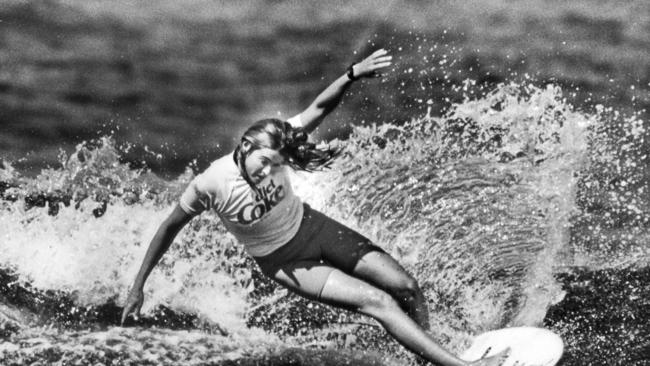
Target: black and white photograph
{"x": 325, "y": 183}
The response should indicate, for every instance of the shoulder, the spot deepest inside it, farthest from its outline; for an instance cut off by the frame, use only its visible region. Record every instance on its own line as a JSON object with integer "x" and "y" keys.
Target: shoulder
{"x": 217, "y": 175}
{"x": 295, "y": 121}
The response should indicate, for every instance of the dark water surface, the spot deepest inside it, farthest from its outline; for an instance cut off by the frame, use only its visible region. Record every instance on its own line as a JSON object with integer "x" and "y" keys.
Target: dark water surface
{"x": 159, "y": 76}
{"x": 603, "y": 319}
{"x": 503, "y": 161}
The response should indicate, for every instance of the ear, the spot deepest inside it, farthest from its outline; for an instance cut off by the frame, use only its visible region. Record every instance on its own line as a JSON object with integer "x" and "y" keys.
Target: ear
{"x": 245, "y": 145}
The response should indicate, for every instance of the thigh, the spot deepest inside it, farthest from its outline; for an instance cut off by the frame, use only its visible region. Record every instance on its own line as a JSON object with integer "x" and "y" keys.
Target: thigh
{"x": 337, "y": 287}
{"x": 355, "y": 254}
{"x": 382, "y": 270}
{"x": 341, "y": 246}
{"x": 349, "y": 292}
{"x": 306, "y": 278}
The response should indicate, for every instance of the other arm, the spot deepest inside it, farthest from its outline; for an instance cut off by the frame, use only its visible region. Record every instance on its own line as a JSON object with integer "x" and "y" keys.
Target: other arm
{"x": 164, "y": 237}
{"x": 329, "y": 98}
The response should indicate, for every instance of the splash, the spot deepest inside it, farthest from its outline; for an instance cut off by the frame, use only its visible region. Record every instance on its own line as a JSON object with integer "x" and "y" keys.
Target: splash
{"x": 612, "y": 228}
{"x": 478, "y": 204}
{"x": 89, "y": 240}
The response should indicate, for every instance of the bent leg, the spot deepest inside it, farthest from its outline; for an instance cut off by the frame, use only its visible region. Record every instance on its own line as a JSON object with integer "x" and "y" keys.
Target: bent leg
{"x": 352, "y": 252}
{"x": 329, "y": 285}
{"x": 349, "y": 292}
{"x": 306, "y": 278}
{"x": 382, "y": 270}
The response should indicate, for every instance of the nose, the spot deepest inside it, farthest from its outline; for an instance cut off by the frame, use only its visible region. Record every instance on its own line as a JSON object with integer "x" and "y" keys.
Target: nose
{"x": 266, "y": 171}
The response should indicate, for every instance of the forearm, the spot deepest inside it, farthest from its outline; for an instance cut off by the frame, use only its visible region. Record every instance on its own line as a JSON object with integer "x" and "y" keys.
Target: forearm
{"x": 326, "y": 102}
{"x": 159, "y": 245}
{"x": 329, "y": 98}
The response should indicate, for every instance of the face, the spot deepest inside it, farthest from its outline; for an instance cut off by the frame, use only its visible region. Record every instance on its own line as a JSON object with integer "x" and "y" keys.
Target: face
{"x": 261, "y": 162}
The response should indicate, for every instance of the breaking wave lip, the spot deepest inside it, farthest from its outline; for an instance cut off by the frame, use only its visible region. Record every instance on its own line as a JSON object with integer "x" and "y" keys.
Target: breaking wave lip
{"x": 477, "y": 204}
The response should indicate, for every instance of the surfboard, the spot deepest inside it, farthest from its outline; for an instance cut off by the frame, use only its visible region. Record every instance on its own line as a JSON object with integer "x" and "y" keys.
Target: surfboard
{"x": 528, "y": 346}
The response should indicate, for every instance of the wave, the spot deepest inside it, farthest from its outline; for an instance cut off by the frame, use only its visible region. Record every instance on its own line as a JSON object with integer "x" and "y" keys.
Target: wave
{"x": 481, "y": 205}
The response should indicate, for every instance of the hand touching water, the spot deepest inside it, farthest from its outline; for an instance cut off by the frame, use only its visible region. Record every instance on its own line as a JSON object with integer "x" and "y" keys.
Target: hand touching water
{"x": 371, "y": 65}
{"x": 133, "y": 304}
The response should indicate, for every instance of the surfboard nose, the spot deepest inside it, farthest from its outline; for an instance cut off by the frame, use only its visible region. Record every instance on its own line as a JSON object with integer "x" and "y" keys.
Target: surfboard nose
{"x": 528, "y": 346}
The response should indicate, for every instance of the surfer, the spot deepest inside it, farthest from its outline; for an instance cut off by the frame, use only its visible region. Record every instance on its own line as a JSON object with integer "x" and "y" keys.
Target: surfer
{"x": 294, "y": 244}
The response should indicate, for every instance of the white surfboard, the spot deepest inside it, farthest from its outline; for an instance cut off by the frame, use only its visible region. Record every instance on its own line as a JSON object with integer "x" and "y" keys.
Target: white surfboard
{"x": 528, "y": 346}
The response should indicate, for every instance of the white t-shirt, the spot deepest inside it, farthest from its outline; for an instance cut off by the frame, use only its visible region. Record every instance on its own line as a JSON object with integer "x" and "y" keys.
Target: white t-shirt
{"x": 261, "y": 224}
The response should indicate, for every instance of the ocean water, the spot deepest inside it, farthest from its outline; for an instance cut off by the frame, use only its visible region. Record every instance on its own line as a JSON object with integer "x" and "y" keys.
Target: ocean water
{"x": 510, "y": 209}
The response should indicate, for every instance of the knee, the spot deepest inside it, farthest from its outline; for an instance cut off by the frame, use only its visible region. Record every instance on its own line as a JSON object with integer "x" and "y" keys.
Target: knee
{"x": 407, "y": 290}
{"x": 378, "y": 303}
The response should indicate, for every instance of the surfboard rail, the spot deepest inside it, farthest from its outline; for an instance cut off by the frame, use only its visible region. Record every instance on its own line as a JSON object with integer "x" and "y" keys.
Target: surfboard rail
{"x": 528, "y": 346}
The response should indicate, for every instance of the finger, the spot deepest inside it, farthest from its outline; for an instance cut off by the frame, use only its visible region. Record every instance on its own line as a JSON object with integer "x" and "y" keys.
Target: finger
{"x": 375, "y": 60}
{"x": 125, "y": 313}
{"x": 380, "y": 51}
{"x": 382, "y": 59}
{"x": 380, "y": 66}
{"x": 136, "y": 311}
{"x": 131, "y": 309}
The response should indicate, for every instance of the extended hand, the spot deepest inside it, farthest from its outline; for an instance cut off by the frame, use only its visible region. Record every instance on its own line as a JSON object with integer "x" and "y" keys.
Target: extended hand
{"x": 371, "y": 65}
{"x": 496, "y": 360}
{"x": 133, "y": 304}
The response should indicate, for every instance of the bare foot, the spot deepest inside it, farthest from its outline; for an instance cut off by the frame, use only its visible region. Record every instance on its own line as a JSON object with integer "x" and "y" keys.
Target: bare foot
{"x": 496, "y": 360}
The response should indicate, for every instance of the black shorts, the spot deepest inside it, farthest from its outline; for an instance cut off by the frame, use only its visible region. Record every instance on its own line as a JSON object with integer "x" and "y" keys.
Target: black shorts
{"x": 320, "y": 245}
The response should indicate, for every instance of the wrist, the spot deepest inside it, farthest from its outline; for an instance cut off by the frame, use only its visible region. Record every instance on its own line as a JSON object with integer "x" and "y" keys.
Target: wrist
{"x": 350, "y": 72}
{"x": 137, "y": 285}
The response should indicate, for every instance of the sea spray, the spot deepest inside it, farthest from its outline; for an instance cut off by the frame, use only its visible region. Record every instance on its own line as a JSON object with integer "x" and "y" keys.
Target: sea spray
{"x": 91, "y": 238}
{"x": 476, "y": 204}
{"x": 73, "y": 240}
{"x": 611, "y": 230}
{"x": 603, "y": 318}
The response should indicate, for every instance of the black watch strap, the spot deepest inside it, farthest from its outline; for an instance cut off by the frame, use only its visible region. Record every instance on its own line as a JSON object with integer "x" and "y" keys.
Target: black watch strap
{"x": 351, "y": 75}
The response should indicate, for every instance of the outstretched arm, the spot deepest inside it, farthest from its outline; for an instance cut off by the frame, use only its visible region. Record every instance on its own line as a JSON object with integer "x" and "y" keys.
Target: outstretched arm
{"x": 329, "y": 98}
{"x": 158, "y": 246}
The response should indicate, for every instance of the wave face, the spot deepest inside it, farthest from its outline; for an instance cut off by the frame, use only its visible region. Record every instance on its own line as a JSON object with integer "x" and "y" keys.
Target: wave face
{"x": 483, "y": 205}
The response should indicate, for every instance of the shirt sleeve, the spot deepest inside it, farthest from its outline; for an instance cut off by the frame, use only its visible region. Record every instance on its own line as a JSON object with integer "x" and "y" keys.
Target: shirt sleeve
{"x": 195, "y": 200}
{"x": 295, "y": 121}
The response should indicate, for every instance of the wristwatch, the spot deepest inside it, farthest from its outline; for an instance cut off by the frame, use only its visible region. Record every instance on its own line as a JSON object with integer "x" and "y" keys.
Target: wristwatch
{"x": 350, "y": 73}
